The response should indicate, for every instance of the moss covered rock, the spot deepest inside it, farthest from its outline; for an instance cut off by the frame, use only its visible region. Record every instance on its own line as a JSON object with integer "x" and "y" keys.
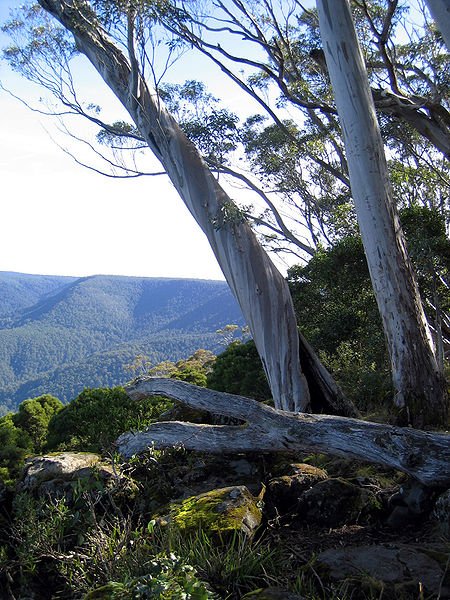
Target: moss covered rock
{"x": 217, "y": 511}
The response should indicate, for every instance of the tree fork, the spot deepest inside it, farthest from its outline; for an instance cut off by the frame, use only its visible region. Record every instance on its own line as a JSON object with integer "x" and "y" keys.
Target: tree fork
{"x": 424, "y": 456}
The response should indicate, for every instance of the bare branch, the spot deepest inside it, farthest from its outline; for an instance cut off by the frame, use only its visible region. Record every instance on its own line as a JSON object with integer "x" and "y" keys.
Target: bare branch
{"x": 424, "y": 456}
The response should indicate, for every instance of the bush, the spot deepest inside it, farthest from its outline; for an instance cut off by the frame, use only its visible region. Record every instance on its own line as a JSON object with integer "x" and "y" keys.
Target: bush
{"x": 238, "y": 370}
{"x": 15, "y": 444}
{"x": 96, "y": 418}
{"x": 337, "y": 312}
{"x": 34, "y": 416}
{"x": 168, "y": 578}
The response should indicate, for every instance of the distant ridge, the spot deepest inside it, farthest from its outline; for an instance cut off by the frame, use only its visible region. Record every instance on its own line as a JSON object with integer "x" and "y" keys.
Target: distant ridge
{"x": 60, "y": 334}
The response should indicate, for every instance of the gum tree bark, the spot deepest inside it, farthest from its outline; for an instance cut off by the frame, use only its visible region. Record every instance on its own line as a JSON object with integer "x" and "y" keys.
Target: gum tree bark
{"x": 424, "y": 456}
{"x": 419, "y": 384}
{"x": 440, "y": 11}
{"x": 260, "y": 289}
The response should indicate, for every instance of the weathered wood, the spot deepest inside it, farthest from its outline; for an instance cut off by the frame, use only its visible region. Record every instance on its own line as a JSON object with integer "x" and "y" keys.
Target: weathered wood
{"x": 326, "y": 395}
{"x": 419, "y": 384}
{"x": 424, "y": 456}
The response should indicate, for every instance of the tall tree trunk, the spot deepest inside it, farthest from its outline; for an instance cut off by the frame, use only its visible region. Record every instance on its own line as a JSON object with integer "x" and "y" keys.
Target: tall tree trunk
{"x": 440, "y": 11}
{"x": 419, "y": 384}
{"x": 260, "y": 289}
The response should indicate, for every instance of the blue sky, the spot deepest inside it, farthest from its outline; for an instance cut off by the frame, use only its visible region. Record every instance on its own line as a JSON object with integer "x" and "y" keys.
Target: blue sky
{"x": 59, "y": 218}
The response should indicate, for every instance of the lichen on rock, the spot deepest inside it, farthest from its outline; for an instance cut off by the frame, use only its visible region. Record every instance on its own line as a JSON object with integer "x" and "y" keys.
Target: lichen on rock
{"x": 63, "y": 466}
{"x": 217, "y": 511}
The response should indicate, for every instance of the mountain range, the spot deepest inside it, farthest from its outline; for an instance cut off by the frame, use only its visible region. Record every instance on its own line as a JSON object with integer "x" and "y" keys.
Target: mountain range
{"x": 59, "y": 335}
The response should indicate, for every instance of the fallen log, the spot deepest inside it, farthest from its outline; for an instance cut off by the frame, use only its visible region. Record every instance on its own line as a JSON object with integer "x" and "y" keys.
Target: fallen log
{"x": 422, "y": 455}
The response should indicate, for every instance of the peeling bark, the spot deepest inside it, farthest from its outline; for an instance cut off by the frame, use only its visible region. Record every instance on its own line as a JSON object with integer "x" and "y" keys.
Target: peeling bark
{"x": 434, "y": 125}
{"x": 424, "y": 456}
{"x": 260, "y": 289}
{"x": 419, "y": 384}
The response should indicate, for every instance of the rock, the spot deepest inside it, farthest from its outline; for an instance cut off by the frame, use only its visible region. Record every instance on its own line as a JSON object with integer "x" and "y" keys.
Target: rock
{"x": 283, "y": 493}
{"x": 398, "y": 569}
{"x": 400, "y": 517}
{"x": 222, "y": 510}
{"x": 441, "y": 513}
{"x": 213, "y": 472}
{"x": 418, "y": 498}
{"x": 62, "y": 467}
{"x": 335, "y": 502}
{"x": 409, "y": 505}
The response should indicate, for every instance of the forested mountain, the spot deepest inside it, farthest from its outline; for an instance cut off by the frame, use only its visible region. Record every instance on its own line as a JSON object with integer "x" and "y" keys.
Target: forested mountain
{"x": 61, "y": 334}
{"x": 17, "y": 290}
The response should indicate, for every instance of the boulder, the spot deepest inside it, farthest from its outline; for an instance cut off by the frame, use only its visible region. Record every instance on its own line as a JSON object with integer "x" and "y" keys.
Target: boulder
{"x": 335, "y": 502}
{"x": 283, "y": 493}
{"x": 441, "y": 513}
{"x": 398, "y": 570}
{"x": 217, "y": 511}
{"x": 57, "y": 474}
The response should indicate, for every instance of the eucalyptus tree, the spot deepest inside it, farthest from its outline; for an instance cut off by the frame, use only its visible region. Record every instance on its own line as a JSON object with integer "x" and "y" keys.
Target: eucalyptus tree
{"x": 270, "y": 47}
{"x": 288, "y": 34}
{"x": 123, "y": 62}
{"x": 417, "y": 378}
{"x": 440, "y": 9}
{"x": 412, "y": 92}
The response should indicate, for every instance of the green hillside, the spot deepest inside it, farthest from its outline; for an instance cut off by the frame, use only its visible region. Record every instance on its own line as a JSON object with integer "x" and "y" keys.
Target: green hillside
{"x": 61, "y": 334}
{"x": 17, "y": 291}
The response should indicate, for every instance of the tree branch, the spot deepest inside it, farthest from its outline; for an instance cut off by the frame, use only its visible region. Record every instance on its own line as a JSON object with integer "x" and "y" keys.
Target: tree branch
{"x": 424, "y": 456}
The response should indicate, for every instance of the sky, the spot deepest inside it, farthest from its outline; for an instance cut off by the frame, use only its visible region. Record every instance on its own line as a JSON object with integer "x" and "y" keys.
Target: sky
{"x": 59, "y": 218}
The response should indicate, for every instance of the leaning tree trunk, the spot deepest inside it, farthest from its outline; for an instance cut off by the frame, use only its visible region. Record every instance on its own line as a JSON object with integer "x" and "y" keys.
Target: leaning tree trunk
{"x": 419, "y": 384}
{"x": 424, "y": 456}
{"x": 260, "y": 289}
{"x": 440, "y": 11}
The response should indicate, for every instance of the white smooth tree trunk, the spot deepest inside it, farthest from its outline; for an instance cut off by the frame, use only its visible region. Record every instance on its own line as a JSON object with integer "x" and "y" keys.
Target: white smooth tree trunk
{"x": 440, "y": 11}
{"x": 418, "y": 382}
{"x": 260, "y": 289}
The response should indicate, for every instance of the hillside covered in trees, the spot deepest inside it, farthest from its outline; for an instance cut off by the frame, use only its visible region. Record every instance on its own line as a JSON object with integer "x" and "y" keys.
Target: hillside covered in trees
{"x": 66, "y": 334}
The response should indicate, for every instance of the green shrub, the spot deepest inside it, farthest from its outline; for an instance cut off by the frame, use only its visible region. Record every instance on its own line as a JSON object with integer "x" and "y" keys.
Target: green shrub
{"x": 95, "y": 419}
{"x": 238, "y": 370}
{"x": 167, "y": 578}
{"x": 338, "y": 314}
{"x": 15, "y": 444}
{"x": 34, "y": 416}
